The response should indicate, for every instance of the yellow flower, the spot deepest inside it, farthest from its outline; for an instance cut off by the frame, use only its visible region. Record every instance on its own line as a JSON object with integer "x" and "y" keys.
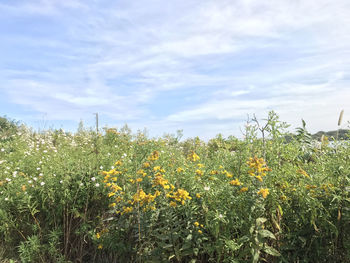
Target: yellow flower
{"x": 244, "y": 189}
{"x": 126, "y": 210}
{"x": 199, "y": 172}
{"x": 146, "y": 165}
{"x": 179, "y": 170}
{"x": 198, "y": 195}
{"x": 200, "y": 231}
{"x": 200, "y": 165}
{"x": 111, "y": 194}
{"x": 139, "y": 180}
{"x": 156, "y": 168}
{"x": 118, "y": 163}
{"x": 259, "y": 178}
{"x": 154, "y": 156}
{"x": 173, "y": 204}
{"x": 23, "y": 188}
{"x": 263, "y": 192}
{"x": 196, "y": 224}
{"x": 235, "y": 182}
{"x": 98, "y": 235}
{"x": 228, "y": 175}
{"x": 302, "y": 172}
{"x": 100, "y": 246}
{"x": 193, "y": 157}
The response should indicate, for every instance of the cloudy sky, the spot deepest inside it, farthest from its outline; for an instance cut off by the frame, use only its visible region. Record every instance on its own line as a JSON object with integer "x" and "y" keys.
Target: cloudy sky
{"x": 197, "y": 65}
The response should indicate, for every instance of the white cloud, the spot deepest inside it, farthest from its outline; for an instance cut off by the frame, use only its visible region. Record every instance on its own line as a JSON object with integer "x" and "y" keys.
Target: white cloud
{"x": 240, "y": 57}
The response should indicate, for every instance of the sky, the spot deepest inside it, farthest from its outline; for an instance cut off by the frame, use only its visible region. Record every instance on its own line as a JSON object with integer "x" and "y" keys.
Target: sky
{"x": 194, "y": 65}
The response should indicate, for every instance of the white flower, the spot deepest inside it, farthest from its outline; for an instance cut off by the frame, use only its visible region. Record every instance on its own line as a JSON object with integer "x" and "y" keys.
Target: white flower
{"x": 97, "y": 185}
{"x": 34, "y": 178}
{"x": 54, "y": 175}
{"x": 2, "y": 149}
{"x": 45, "y": 151}
{"x": 101, "y": 167}
{"x": 6, "y": 199}
{"x": 81, "y": 184}
{"x": 38, "y": 168}
{"x": 93, "y": 179}
{"x": 112, "y": 167}
{"x": 30, "y": 181}
{"x": 42, "y": 183}
{"x": 206, "y": 188}
{"x": 8, "y": 179}
{"x": 108, "y": 154}
{"x": 61, "y": 182}
{"x": 41, "y": 174}
{"x": 220, "y": 216}
{"x": 40, "y": 162}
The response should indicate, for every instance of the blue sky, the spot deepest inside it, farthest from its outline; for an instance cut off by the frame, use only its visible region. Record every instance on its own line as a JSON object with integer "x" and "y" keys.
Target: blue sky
{"x": 201, "y": 66}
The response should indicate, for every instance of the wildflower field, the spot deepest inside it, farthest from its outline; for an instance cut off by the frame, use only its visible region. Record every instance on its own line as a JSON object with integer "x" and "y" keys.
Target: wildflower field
{"x": 115, "y": 196}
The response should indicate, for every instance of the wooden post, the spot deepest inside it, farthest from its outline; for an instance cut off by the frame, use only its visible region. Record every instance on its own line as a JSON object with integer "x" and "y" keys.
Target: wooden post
{"x": 96, "y": 122}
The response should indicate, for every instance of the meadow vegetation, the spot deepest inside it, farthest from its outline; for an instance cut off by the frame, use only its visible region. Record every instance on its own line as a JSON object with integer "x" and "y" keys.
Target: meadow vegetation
{"x": 115, "y": 196}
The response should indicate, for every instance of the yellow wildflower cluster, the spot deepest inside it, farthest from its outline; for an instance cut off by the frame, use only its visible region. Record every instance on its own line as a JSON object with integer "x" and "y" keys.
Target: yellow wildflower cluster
{"x": 154, "y": 156}
{"x": 180, "y": 195}
{"x": 310, "y": 187}
{"x": 159, "y": 180}
{"x": 193, "y": 157}
{"x": 228, "y": 175}
{"x": 142, "y": 198}
{"x": 258, "y": 168}
{"x": 263, "y": 192}
{"x": 200, "y": 165}
{"x": 110, "y": 180}
{"x": 199, "y": 172}
{"x": 196, "y": 224}
{"x": 244, "y": 189}
{"x": 214, "y": 172}
{"x": 112, "y": 131}
{"x": 179, "y": 170}
{"x": 302, "y": 172}
{"x": 141, "y": 172}
{"x": 126, "y": 209}
{"x": 235, "y": 182}
{"x": 99, "y": 234}
{"x": 146, "y": 165}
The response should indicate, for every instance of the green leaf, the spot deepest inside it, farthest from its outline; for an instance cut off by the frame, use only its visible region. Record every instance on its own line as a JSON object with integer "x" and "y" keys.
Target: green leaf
{"x": 260, "y": 220}
{"x": 232, "y": 245}
{"x": 280, "y": 209}
{"x": 255, "y": 254}
{"x": 266, "y": 233}
{"x": 271, "y": 251}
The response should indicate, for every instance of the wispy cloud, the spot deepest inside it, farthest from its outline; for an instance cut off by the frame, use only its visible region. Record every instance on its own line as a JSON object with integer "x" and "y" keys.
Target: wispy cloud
{"x": 196, "y": 65}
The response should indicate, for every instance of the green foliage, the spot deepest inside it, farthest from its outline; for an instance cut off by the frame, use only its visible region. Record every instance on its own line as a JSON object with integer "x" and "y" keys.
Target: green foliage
{"x": 119, "y": 197}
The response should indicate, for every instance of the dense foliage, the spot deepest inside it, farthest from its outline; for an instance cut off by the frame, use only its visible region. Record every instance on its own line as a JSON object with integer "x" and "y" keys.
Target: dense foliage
{"x": 118, "y": 197}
